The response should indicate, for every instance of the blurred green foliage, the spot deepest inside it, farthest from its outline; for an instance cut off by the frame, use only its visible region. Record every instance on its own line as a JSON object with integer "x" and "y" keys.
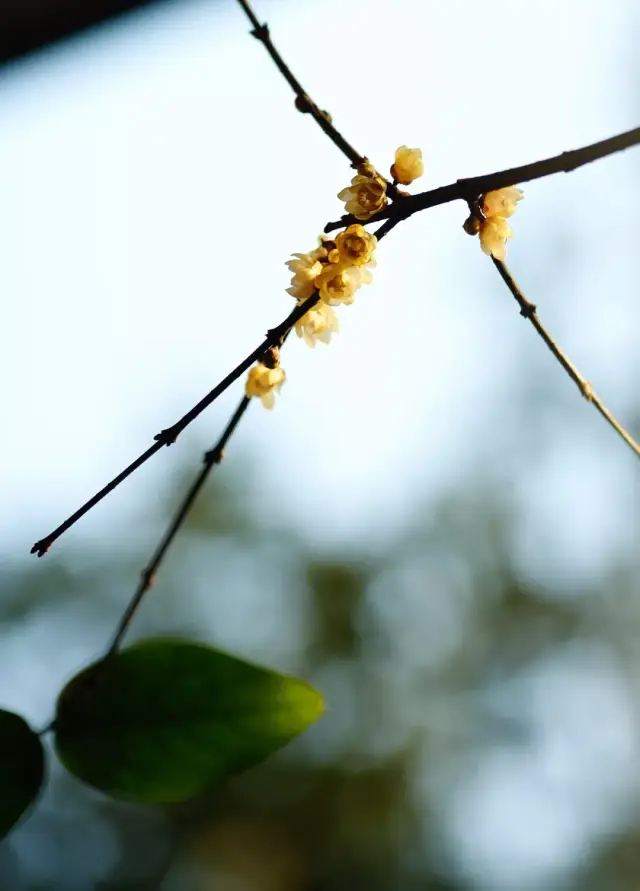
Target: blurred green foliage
{"x": 165, "y": 719}
{"x": 21, "y": 769}
{"x": 441, "y": 655}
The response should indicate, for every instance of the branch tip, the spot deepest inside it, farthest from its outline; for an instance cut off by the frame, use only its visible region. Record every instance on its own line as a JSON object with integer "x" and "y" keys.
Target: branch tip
{"x": 41, "y": 548}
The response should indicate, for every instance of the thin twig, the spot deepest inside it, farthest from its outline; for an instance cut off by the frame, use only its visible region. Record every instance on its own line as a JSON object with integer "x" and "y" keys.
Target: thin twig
{"x": 147, "y": 580}
{"x": 528, "y": 310}
{"x": 469, "y": 189}
{"x": 211, "y": 459}
{"x": 304, "y": 103}
{"x": 170, "y": 434}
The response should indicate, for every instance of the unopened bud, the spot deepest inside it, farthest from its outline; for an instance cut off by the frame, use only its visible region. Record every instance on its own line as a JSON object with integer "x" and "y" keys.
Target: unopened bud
{"x": 471, "y": 225}
{"x": 271, "y": 358}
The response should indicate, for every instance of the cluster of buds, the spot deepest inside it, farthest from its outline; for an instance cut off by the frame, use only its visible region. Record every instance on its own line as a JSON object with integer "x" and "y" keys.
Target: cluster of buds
{"x": 489, "y": 218}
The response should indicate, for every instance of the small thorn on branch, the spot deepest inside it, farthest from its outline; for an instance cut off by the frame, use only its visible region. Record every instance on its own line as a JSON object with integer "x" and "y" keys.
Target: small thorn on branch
{"x": 527, "y": 310}
{"x": 167, "y": 437}
{"x": 148, "y": 579}
{"x": 275, "y": 334}
{"x": 261, "y": 33}
{"x": 586, "y": 388}
{"x": 213, "y": 456}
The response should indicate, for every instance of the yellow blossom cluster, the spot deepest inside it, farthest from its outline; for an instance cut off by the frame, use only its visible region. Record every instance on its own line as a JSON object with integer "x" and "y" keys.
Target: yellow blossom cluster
{"x": 367, "y": 193}
{"x": 265, "y": 378}
{"x": 336, "y": 269}
{"x": 494, "y": 230}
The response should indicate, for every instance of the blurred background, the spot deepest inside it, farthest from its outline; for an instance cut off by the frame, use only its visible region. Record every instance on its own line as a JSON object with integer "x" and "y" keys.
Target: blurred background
{"x": 432, "y": 526}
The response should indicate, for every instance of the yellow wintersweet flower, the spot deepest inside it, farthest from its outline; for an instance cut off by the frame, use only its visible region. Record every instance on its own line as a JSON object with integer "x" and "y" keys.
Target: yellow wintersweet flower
{"x": 305, "y": 268}
{"x": 338, "y": 284}
{"x": 407, "y": 165}
{"x": 355, "y": 246}
{"x": 365, "y": 196}
{"x": 494, "y": 230}
{"x": 502, "y": 202}
{"x": 262, "y": 381}
{"x": 318, "y": 324}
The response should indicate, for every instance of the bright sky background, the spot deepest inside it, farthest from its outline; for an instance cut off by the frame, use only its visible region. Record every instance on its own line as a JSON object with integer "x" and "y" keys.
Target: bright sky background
{"x": 154, "y": 178}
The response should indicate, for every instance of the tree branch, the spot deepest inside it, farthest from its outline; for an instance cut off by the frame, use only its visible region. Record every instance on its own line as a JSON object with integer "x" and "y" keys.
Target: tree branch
{"x": 469, "y": 189}
{"x": 168, "y": 436}
{"x": 464, "y": 189}
{"x": 274, "y": 336}
{"x": 528, "y": 310}
{"x": 214, "y": 456}
{"x": 304, "y": 103}
{"x": 211, "y": 459}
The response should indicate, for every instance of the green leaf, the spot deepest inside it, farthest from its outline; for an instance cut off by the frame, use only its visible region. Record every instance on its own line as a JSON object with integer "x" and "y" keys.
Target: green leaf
{"x": 166, "y": 719}
{"x": 21, "y": 769}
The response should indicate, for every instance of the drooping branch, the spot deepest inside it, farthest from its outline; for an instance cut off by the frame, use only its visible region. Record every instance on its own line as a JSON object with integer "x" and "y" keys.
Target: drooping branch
{"x": 469, "y": 189}
{"x": 529, "y": 311}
